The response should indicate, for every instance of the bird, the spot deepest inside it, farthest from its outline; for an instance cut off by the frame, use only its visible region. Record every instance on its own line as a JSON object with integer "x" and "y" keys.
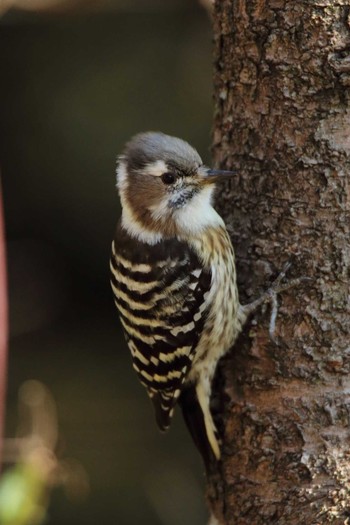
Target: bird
{"x": 174, "y": 282}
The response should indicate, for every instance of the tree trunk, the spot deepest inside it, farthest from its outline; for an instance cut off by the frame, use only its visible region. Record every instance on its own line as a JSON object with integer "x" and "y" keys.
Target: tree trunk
{"x": 282, "y": 77}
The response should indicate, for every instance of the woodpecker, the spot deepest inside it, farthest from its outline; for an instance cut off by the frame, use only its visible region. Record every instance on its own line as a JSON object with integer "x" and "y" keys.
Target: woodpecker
{"x": 173, "y": 277}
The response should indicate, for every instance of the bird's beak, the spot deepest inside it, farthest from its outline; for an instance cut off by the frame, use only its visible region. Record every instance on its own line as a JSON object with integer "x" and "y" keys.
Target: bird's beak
{"x": 209, "y": 176}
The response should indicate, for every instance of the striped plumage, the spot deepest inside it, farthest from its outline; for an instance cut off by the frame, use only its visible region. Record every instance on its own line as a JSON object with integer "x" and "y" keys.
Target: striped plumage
{"x": 160, "y": 291}
{"x": 173, "y": 278}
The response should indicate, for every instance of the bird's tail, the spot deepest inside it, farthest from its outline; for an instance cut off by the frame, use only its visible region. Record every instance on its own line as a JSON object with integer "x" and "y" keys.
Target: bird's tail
{"x": 198, "y": 426}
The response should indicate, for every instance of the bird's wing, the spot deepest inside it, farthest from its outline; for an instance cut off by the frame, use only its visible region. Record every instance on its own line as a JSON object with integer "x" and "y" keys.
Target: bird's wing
{"x": 160, "y": 291}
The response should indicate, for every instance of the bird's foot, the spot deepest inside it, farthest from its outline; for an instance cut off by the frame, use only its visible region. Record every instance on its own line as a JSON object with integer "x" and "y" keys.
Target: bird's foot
{"x": 270, "y": 296}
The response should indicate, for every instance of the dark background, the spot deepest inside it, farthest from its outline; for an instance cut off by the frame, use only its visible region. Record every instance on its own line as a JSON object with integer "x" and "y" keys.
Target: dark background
{"x": 74, "y": 87}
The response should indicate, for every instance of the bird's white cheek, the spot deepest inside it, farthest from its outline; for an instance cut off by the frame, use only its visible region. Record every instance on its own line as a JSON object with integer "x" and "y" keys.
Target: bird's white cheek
{"x": 198, "y": 214}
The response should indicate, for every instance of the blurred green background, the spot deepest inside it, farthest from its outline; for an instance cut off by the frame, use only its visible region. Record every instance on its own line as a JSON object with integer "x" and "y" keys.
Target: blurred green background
{"x": 76, "y": 84}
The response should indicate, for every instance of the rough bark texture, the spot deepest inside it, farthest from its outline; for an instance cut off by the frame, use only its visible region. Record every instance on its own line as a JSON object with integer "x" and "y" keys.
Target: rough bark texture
{"x": 282, "y": 79}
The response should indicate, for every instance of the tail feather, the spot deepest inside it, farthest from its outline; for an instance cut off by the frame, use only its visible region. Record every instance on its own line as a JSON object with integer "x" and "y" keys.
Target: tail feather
{"x": 194, "y": 418}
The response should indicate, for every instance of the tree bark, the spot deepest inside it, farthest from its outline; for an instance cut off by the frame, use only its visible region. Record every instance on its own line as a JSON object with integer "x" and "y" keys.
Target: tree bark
{"x": 282, "y": 117}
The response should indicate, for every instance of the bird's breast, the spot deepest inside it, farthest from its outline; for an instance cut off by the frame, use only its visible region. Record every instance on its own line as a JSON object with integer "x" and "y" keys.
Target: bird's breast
{"x": 222, "y": 325}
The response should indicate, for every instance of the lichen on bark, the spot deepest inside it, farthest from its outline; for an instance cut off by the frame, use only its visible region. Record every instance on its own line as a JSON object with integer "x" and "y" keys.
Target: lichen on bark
{"x": 282, "y": 117}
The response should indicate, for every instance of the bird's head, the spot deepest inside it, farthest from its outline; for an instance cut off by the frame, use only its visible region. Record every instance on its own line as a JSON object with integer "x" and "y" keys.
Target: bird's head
{"x": 164, "y": 188}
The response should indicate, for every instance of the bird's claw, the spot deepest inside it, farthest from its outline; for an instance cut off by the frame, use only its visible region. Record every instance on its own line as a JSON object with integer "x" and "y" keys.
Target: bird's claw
{"x": 270, "y": 296}
{"x": 273, "y": 317}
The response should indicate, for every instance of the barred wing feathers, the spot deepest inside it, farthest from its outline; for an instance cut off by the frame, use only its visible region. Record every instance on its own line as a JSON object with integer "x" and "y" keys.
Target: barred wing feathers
{"x": 160, "y": 292}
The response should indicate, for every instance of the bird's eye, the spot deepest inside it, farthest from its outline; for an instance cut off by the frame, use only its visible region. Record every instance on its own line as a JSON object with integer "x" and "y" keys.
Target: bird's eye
{"x": 168, "y": 177}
